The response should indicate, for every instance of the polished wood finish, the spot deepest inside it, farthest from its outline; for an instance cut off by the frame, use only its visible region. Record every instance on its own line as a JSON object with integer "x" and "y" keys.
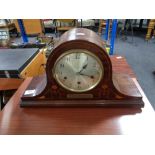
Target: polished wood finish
{"x": 130, "y": 121}
{"x": 112, "y": 87}
{"x": 10, "y": 83}
{"x": 122, "y": 83}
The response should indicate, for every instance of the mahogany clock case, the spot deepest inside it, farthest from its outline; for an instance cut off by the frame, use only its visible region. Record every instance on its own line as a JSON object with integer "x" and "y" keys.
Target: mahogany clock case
{"x": 113, "y": 90}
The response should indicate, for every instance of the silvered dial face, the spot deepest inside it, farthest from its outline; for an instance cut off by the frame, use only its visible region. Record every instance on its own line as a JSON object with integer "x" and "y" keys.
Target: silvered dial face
{"x": 78, "y": 70}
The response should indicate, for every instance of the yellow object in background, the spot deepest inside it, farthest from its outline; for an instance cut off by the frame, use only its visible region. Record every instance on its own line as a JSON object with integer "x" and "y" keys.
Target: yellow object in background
{"x": 32, "y": 26}
{"x": 151, "y": 29}
{"x": 36, "y": 66}
{"x": 108, "y": 49}
{"x": 65, "y": 24}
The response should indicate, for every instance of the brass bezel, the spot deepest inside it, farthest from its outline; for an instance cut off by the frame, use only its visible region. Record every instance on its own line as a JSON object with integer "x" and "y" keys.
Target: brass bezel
{"x": 77, "y": 51}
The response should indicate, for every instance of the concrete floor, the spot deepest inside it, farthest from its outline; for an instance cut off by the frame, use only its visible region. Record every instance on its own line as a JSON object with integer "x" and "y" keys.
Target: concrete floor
{"x": 141, "y": 56}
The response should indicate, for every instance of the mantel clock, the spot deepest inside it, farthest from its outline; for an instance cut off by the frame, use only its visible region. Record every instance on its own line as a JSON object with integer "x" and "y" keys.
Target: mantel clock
{"x": 79, "y": 73}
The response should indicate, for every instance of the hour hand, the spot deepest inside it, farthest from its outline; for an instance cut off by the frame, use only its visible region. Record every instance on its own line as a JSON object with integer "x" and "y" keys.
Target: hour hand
{"x": 84, "y": 67}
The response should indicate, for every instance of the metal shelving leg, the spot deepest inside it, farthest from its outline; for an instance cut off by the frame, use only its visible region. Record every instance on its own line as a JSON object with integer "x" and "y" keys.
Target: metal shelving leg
{"x": 113, "y": 35}
{"x": 22, "y": 30}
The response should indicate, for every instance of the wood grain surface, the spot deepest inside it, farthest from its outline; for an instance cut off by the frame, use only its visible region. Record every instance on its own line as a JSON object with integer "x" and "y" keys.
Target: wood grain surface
{"x": 16, "y": 120}
{"x": 10, "y": 83}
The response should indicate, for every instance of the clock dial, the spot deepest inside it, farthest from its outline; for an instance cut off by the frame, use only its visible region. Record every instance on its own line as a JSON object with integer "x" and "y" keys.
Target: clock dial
{"x": 78, "y": 70}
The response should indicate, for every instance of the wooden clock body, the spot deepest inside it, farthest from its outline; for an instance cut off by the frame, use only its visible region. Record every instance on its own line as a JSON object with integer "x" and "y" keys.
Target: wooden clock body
{"x": 112, "y": 91}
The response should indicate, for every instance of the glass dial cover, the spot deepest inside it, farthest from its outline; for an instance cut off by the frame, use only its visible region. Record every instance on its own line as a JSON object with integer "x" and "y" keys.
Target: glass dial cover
{"x": 78, "y": 70}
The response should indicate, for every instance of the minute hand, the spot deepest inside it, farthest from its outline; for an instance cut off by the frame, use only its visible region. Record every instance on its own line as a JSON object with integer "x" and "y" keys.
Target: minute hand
{"x": 85, "y": 75}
